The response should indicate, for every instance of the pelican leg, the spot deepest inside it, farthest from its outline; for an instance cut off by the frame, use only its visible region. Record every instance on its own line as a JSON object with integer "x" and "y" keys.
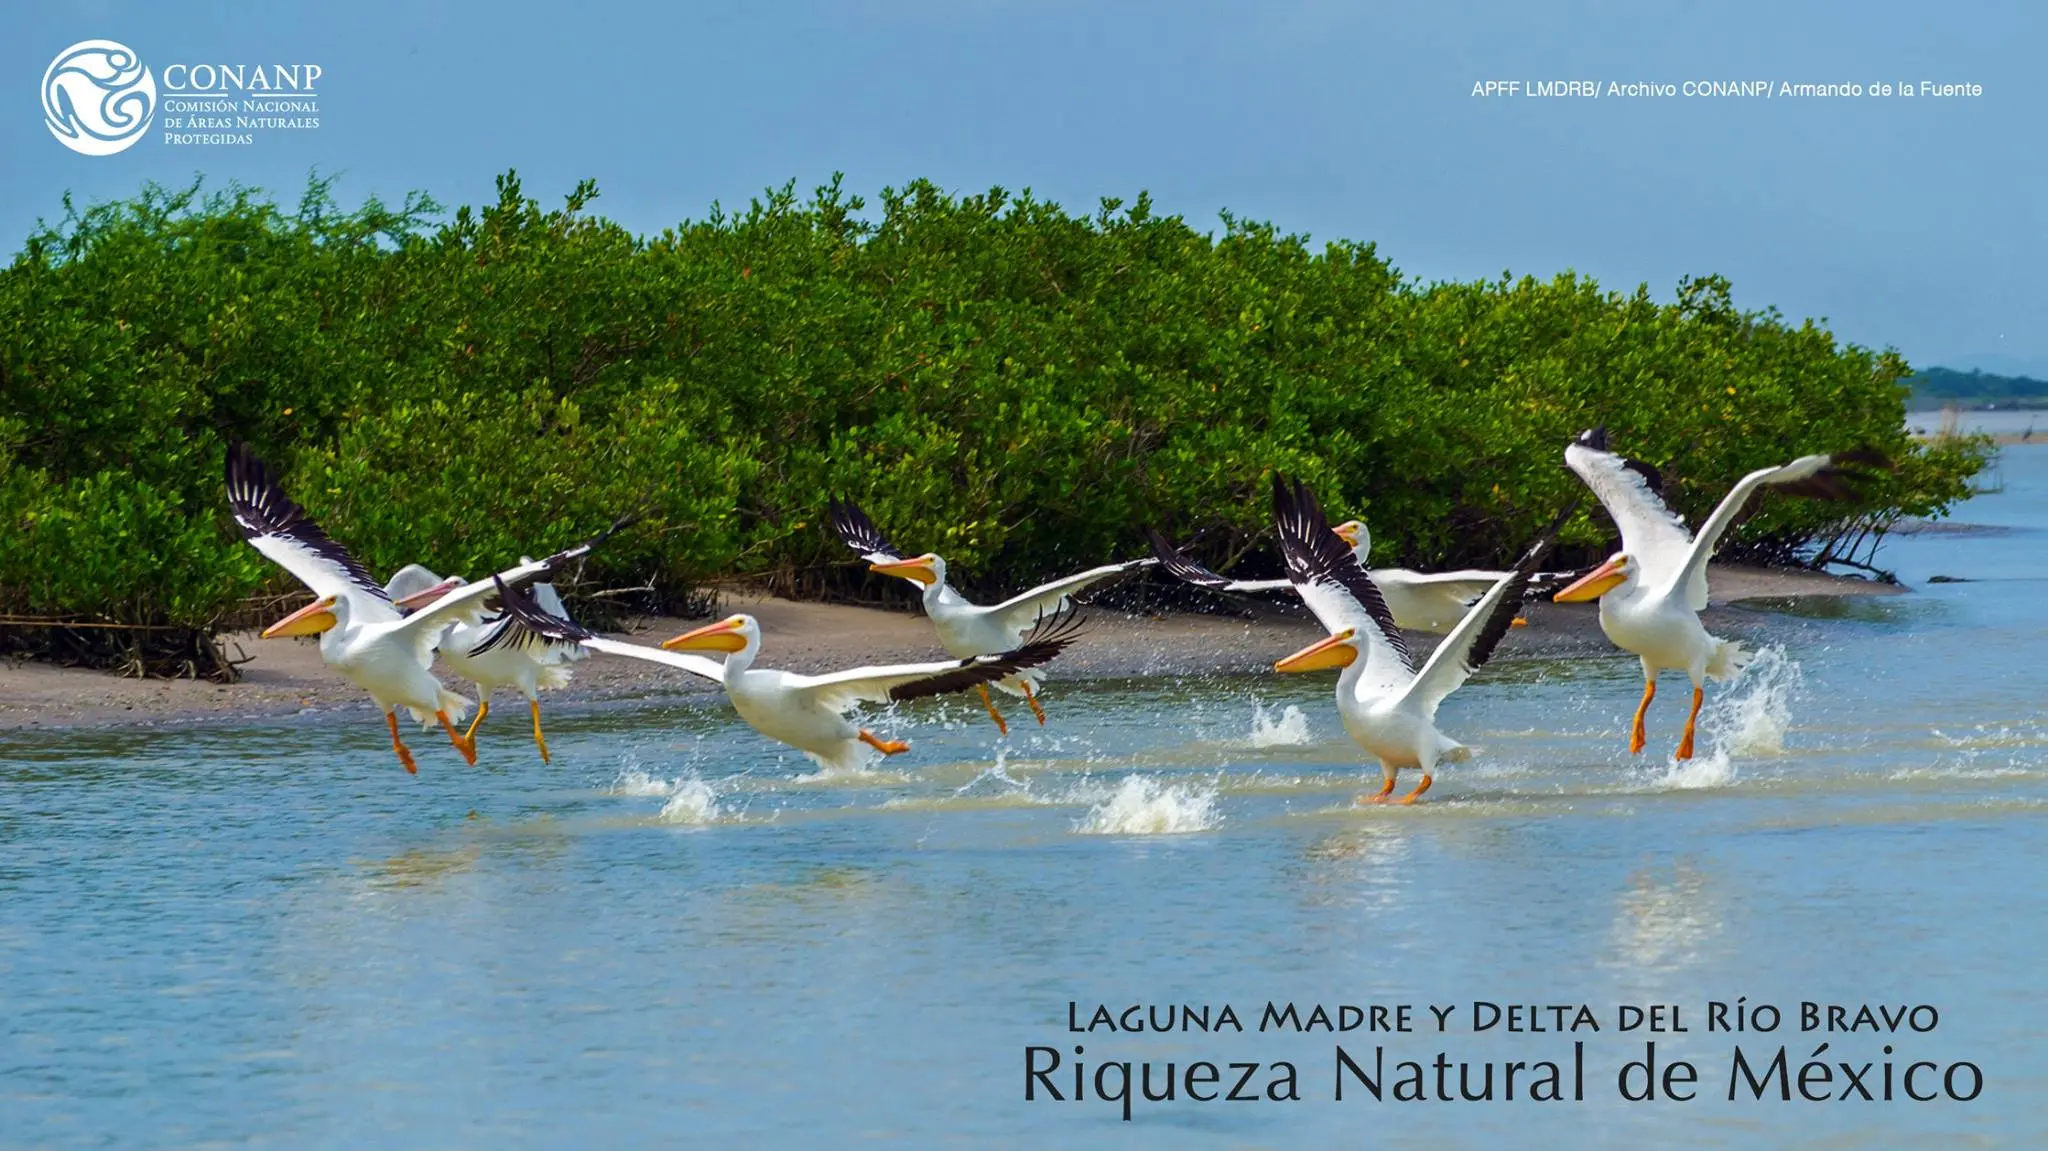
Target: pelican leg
{"x": 1386, "y": 788}
{"x": 989, "y": 702}
{"x": 1636, "y": 738}
{"x": 483, "y": 708}
{"x": 1699, "y": 696}
{"x": 1412, "y": 796}
{"x": 1031, "y": 698}
{"x": 466, "y": 747}
{"x": 885, "y": 746}
{"x": 398, "y": 745}
{"x": 539, "y": 740}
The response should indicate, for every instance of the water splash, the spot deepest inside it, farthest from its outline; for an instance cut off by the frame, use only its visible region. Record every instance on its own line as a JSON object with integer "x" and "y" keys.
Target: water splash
{"x": 634, "y": 781}
{"x": 1747, "y": 717}
{"x": 1751, "y": 714}
{"x": 692, "y": 802}
{"x": 1287, "y": 729}
{"x": 1144, "y": 806}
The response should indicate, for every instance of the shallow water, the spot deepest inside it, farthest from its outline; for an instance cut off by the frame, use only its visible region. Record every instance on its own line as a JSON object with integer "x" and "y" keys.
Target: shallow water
{"x": 681, "y": 934}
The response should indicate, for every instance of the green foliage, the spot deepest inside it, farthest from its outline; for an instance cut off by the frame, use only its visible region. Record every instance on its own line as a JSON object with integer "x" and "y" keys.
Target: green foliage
{"x": 1011, "y": 385}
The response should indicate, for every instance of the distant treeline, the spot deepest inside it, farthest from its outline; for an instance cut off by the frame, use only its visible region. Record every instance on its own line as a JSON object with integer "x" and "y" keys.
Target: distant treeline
{"x": 1014, "y": 386}
{"x": 1936, "y": 387}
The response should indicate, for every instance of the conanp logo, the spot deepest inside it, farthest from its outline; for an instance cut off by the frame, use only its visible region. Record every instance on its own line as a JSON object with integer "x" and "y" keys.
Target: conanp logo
{"x": 98, "y": 98}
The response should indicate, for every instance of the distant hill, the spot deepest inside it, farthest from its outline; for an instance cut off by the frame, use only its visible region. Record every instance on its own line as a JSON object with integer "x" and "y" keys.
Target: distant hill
{"x": 1939, "y": 387}
{"x": 1999, "y": 363}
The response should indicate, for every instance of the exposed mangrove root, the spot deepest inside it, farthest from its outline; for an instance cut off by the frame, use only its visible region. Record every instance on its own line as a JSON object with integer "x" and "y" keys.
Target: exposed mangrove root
{"x": 134, "y": 651}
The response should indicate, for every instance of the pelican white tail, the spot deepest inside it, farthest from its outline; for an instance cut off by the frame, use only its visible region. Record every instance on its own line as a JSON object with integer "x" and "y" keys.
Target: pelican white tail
{"x": 1728, "y": 660}
{"x": 553, "y": 677}
{"x": 457, "y": 707}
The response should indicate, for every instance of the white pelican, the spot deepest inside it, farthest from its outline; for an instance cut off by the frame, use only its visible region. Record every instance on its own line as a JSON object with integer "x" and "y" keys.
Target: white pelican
{"x": 491, "y": 653}
{"x": 1387, "y": 707}
{"x": 1652, "y": 591}
{"x": 1421, "y": 601}
{"x": 807, "y": 712}
{"x": 967, "y": 630}
{"x": 362, "y": 635}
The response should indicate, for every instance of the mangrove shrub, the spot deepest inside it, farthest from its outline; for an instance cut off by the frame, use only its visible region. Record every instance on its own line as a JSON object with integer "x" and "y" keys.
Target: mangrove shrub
{"x": 1013, "y": 385}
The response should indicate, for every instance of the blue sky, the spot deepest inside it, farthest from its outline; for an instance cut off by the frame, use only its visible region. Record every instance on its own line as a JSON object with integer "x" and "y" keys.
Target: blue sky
{"x": 1917, "y": 223}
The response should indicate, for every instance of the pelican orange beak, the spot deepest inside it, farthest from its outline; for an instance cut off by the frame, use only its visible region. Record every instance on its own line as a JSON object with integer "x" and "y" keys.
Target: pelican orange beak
{"x": 425, "y": 596}
{"x": 1323, "y": 655}
{"x": 918, "y": 568}
{"x": 1348, "y": 532}
{"x": 721, "y": 636}
{"x": 312, "y": 619}
{"x": 1595, "y": 583}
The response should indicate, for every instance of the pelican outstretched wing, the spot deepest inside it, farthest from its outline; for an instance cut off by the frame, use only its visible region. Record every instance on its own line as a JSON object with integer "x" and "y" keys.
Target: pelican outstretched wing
{"x": 1472, "y": 642}
{"x": 1651, "y": 532}
{"x": 858, "y": 532}
{"x": 284, "y": 533}
{"x": 1020, "y": 613}
{"x": 840, "y": 690}
{"x": 1327, "y": 574}
{"x": 1830, "y": 477}
{"x": 526, "y": 610}
{"x": 1183, "y": 567}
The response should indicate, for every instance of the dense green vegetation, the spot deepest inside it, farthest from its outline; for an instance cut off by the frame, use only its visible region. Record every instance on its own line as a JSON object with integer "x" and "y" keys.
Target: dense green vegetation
{"x": 1014, "y": 386}
{"x": 1935, "y": 387}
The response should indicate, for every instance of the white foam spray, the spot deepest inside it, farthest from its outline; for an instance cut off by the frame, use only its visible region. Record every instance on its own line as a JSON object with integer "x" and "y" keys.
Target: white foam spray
{"x": 1747, "y": 717}
{"x": 691, "y": 801}
{"x": 634, "y": 781}
{"x": 1143, "y": 806}
{"x": 1287, "y": 729}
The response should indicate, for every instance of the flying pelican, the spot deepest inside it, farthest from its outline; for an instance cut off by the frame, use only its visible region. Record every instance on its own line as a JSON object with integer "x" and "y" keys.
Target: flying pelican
{"x": 968, "y": 630}
{"x": 1420, "y": 601}
{"x": 492, "y": 653}
{"x": 1387, "y": 707}
{"x": 1652, "y": 591}
{"x": 807, "y": 712}
{"x": 362, "y": 635}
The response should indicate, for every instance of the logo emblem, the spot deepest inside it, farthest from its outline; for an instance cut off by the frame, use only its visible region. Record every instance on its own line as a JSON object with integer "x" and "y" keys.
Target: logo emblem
{"x": 98, "y": 98}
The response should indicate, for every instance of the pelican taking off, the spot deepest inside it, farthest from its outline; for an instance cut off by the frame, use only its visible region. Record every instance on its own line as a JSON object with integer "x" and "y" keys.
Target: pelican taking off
{"x": 491, "y": 653}
{"x": 968, "y": 630}
{"x": 362, "y": 635}
{"x": 1652, "y": 591}
{"x": 1387, "y": 707}
{"x": 1420, "y": 601}
{"x": 806, "y": 712}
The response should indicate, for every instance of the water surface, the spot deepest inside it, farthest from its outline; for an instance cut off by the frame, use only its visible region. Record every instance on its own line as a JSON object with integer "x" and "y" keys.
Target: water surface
{"x": 269, "y": 935}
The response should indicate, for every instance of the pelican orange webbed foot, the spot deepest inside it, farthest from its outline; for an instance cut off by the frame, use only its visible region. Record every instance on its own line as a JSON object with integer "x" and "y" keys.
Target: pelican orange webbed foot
{"x": 1691, "y": 722}
{"x": 1031, "y": 698}
{"x": 398, "y": 745}
{"x": 540, "y": 741}
{"x": 1637, "y": 737}
{"x": 1381, "y": 795}
{"x": 1412, "y": 796}
{"x": 989, "y": 702}
{"x": 885, "y": 746}
{"x": 462, "y": 744}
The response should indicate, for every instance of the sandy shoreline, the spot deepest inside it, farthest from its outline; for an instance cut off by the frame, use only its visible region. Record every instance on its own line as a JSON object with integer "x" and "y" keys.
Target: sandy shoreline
{"x": 286, "y": 677}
